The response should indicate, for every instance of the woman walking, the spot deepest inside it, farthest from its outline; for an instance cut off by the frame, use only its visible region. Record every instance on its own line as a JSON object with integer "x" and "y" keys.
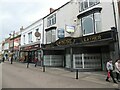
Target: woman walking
{"x": 117, "y": 69}
{"x": 109, "y": 67}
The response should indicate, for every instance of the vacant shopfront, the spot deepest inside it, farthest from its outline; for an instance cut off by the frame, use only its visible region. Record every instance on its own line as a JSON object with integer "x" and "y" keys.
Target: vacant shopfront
{"x": 85, "y": 53}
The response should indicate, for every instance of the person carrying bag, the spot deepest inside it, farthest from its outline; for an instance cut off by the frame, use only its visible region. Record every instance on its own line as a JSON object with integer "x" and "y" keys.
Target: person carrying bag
{"x": 109, "y": 67}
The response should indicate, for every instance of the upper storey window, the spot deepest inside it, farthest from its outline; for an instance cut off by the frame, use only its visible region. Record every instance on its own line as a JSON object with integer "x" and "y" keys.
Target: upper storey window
{"x": 84, "y": 4}
{"x": 51, "y": 20}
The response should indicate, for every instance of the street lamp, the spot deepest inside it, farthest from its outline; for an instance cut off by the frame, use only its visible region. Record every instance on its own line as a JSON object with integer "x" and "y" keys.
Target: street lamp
{"x": 12, "y": 46}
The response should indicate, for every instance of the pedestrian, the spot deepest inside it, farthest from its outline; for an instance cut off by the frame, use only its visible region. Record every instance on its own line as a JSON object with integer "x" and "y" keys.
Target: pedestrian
{"x": 117, "y": 69}
{"x": 6, "y": 56}
{"x": 28, "y": 61}
{"x": 109, "y": 67}
{"x": 12, "y": 59}
{"x": 36, "y": 60}
{"x": 3, "y": 58}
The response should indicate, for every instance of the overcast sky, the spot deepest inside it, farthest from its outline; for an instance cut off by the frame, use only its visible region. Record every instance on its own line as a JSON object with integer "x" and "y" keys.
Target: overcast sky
{"x": 17, "y": 13}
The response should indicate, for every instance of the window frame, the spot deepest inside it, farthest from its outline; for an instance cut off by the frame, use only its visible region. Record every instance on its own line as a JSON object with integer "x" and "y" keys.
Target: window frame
{"x": 94, "y": 23}
{"x": 29, "y": 37}
{"x": 51, "y": 20}
{"x": 53, "y": 39}
{"x": 82, "y": 4}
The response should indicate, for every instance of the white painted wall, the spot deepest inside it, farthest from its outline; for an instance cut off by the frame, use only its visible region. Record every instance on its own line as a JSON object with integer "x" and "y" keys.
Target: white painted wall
{"x": 32, "y": 28}
{"x": 64, "y": 16}
{"x": 107, "y": 15}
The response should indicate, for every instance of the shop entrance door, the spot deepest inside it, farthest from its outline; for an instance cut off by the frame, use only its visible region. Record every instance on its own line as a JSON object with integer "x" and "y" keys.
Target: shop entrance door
{"x": 87, "y": 61}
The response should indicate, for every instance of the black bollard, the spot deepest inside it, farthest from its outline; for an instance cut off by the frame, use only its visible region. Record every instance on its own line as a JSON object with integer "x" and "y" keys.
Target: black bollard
{"x": 43, "y": 68}
{"x": 76, "y": 73}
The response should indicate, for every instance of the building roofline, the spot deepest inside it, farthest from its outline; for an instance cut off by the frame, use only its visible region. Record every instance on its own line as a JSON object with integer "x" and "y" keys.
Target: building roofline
{"x": 57, "y": 9}
{"x": 33, "y": 23}
{"x": 47, "y": 15}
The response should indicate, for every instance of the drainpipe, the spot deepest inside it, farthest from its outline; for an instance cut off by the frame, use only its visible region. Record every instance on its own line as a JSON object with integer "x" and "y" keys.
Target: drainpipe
{"x": 116, "y": 27}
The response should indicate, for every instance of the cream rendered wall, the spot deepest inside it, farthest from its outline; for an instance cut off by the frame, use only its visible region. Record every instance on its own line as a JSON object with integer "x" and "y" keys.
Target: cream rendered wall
{"x": 66, "y": 16}
{"x": 107, "y": 15}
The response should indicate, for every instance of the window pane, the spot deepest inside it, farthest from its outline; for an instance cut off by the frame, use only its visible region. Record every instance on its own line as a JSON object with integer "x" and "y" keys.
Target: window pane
{"x": 86, "y": 4}
{"x": 97, "y": 1}
{"x": 97, "y": 22}
{"x": 53, "y": 35}
{"x": 92, "y": 2}
{"x": 48, "y": 36}
{"x": 51, "y": 20}
{"x": 88, "y": 25}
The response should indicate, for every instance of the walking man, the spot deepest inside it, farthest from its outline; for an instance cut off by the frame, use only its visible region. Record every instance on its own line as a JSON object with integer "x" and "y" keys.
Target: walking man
{"x": 12, "y": 59}
{"x": 28, "y": 61}
{"x": 109, "y": 67}
{"x": 117, "y": 69}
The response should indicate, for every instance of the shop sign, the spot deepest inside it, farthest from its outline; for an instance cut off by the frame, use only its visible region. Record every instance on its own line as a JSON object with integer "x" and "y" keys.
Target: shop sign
{"x": 37, "y": 34}
{"x": 66, "y": 41}
{"x": 61, "y": 33}
{"x": 70, "y": 29}
{"x": 96, "y": 37}
{"x": 91, "y": 38}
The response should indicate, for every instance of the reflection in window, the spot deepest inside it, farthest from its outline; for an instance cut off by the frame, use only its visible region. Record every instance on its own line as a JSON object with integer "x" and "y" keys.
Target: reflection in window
{"x": 84, "y": 4}
{"x": 51, "y": 36}
{"x": 88, "y": 26}
{"x": 97, "y": 22}
{"x": 91, "y": 24}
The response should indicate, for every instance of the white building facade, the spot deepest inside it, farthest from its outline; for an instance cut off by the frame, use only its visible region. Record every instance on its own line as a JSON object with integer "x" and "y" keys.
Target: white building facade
{"x": 82, "y": 35}
{"x": 55, "y": 25}
{"x": 31, "y": 40}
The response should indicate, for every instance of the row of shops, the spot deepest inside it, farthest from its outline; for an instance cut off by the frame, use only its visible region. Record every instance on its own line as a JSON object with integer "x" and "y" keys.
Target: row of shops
{"x": 84, "y": 53}
{"x": 83, "y": 39}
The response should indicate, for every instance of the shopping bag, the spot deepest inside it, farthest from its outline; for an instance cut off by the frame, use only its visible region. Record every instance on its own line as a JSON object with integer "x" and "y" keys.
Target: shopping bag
{"x": 108, "y": 74}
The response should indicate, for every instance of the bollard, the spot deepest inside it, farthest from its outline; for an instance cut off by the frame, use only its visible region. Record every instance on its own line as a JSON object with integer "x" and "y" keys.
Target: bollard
{"x": 76, "y": 73}
{"x": 43, "y": 68}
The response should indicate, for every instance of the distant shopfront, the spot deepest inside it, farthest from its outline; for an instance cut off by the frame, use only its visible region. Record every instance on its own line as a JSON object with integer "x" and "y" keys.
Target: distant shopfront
{"x": 85, "y": 53}
{"x": 31, "y": 51}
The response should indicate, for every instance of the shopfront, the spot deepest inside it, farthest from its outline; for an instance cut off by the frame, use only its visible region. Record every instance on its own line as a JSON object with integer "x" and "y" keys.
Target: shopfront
{"x": 85, "y": 53}
{"x": 30, "y": 52}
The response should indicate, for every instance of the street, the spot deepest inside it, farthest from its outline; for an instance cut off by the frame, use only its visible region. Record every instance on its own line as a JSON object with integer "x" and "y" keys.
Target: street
{"x": 16, "y": 75}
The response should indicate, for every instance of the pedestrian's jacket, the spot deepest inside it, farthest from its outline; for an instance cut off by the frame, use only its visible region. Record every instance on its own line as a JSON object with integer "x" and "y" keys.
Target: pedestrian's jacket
{"x": 117, "y": 67}
{"x": 109, "y": 66}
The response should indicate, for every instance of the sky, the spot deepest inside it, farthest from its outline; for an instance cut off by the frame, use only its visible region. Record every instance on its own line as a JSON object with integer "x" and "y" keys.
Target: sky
{"x": 17, "y": 13}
